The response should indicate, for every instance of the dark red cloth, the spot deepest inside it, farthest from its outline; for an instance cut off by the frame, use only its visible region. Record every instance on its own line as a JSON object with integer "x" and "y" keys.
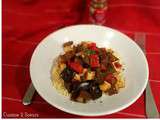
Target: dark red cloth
{"x": 26, "y": 22}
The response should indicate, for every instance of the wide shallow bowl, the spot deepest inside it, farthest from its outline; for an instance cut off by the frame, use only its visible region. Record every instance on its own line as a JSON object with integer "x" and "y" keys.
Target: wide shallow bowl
{"x": 135, "y": 64}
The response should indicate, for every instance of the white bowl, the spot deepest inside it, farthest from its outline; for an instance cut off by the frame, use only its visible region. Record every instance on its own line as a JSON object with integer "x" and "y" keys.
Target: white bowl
{"x": 136, "y": 69}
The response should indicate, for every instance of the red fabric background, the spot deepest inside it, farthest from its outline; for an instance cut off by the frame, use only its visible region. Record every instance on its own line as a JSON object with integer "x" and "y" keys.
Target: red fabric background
{"x": 26, "y": 22}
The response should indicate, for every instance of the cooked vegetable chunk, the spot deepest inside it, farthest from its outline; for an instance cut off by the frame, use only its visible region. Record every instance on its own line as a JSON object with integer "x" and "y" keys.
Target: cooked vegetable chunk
{"x": 88, "y": 71}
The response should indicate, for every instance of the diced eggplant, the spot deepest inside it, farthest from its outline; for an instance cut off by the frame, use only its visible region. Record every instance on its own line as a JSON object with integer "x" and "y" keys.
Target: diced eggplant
{"x": 104, "y": 58}
{"x": 84, "y": 96}
{"x": 74, "y": 95}
{"x": 80, "y": 47}
{"x": 76, "y": 88}
{"x": 68, "y": 55}
{"x": 112, "y": 90}
{"x": 95, "y": 91}
{"x": 84, "y": 85}
{"x": 85, "y": 62}
{"x": 75, "y": 85}
{"x": 67, "y": 74}
{"x": 98, "y": 81}
{"x": 68, "y": 86}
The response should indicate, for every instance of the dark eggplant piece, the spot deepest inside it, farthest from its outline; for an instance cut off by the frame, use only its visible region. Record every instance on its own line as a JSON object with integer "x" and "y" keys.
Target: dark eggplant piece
{"x": 68, "y": 86}
{"x": 72, "y": 86}
{"x": 98, "y": 81}
{"x": 74, "y": 95}
{"x": 112, "y": 90}
{"x": 84, "y": 96}
{"x": 77, "y": 87}
{"x": 95, "y": 91}
{"x": 67, "y": 74}
{"x": 80, "y": 48}
{"x": 75, "y": 90}
{"x": 85, "y": 62}
{"x": 103, "y": 56}
{"x": 85, "y": 91}
{"x": 68, "y": 55}
{"x": 84, "y": 85}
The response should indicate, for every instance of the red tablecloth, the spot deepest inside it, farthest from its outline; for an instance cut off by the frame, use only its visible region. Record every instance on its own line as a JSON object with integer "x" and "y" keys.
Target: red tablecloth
{"x": 27, "y": 22}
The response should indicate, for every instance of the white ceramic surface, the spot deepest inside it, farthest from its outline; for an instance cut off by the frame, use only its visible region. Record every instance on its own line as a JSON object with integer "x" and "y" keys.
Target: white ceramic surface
{"x": 136, "y": 69}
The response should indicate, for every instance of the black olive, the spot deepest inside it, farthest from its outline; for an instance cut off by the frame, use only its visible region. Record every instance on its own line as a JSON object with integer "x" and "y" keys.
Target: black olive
{"x": 67, "y": 74}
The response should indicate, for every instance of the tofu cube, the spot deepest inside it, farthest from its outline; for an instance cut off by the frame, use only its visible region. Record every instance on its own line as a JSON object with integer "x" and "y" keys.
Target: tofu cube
{"x": 77, "y": 77}
{"x": 68, "y": 48}
{"x": 105, "y": 86}
{"x": 90, "y": 75}
{"x": 120, "y": 83}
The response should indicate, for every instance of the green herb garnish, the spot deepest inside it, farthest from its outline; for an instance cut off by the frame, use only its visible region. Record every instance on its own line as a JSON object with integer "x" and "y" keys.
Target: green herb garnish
{"x": 111, "y": 69}
{"x": 103, "y": 74}
{"x": 90, "y": 52}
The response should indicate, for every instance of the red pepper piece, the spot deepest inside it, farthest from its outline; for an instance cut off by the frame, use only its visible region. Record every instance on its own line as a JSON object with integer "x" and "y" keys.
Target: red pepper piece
{"x": 76, "y": 66}
{"x": 92, "y": 46}
{"x": 94, "y": 61}
{"x": 103, "y": 67}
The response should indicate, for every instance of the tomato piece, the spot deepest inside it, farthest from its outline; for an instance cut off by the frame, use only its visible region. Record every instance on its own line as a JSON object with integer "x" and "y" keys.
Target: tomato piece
{"x": 94, "y": 61}
{"x": 94, "y": 49}
{"x": 103, "y": 67}
{"x": 76, "y": 66}
{"x": 92, "y": 46}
